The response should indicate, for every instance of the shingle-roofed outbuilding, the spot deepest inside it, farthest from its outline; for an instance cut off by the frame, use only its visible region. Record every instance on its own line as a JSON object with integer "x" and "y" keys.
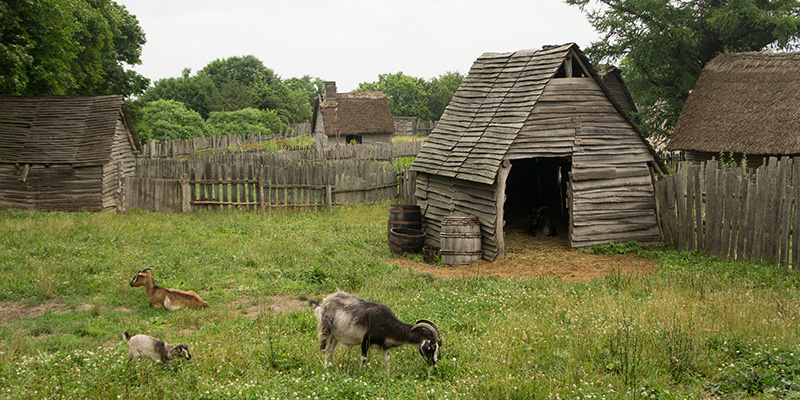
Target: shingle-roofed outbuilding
{"x": 532, "y": 129}
{"x": 65, "y": 153}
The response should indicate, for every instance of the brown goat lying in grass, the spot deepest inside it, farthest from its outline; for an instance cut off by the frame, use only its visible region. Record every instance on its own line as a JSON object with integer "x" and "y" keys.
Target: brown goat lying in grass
{"x": 171, "y": 299}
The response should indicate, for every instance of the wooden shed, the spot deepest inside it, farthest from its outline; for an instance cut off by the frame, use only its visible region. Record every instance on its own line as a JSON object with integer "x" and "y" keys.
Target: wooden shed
{"x": 742, "y": 103}
{"x": 531, "y": 129}
{"x": 344, "y": 118}
{"x": 65, "y": 153}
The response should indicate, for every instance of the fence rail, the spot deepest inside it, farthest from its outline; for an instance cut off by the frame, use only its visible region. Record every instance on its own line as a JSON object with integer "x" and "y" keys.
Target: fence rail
{"x": 735, "y": 213}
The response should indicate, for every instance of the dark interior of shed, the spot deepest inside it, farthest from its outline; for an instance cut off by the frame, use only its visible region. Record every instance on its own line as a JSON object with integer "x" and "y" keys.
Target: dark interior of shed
{"x": 537, "y": 183}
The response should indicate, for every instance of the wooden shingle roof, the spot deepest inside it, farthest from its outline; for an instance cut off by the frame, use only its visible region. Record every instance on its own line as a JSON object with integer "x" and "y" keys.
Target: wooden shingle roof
{"x": 356, "y": 113}
{"x": 76, "y": 130}
{"x": 743, "y": 103}
{"x": 486, "y": 113}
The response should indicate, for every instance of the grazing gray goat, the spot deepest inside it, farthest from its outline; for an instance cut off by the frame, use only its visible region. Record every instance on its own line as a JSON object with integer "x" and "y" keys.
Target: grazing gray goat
{"x": 350, "y": 320}
{"x": 154, "y": 349}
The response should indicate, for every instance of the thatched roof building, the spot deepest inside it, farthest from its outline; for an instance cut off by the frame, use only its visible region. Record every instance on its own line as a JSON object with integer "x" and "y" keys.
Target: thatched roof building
{"x": 358, "y": 117}
{"x": 532, "y": 129}
{"x": 742, "y": 103}
{"x": 65, "y": 153}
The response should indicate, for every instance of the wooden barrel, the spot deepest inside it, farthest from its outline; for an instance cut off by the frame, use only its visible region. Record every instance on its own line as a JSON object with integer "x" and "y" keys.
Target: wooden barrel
{"x": 404, "y": 216}
{"x": 460, "y": 240}
{"x": 406, "y": 240}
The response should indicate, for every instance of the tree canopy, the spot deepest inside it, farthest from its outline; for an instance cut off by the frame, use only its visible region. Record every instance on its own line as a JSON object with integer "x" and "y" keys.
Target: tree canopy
{"x": 415, "y": 97}
{"x": 71, "y": 47}
{"x": 238, "y": 83}
{"x": 663, "y": 45}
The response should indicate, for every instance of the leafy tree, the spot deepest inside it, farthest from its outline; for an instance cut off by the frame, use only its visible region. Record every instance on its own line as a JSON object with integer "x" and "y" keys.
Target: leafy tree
{"x": 77, "y": 47}
{"x": 245, "y": 121}
{"x": 238, "y": 83}
{"x": 170, "y": 120}
{"x": 407, "y": 95}
{"x": 664, "y": 44}
{"x": 415, "y": 97}
{"x": 311, "y": 86}
{"x": 246, "y": 70}
{"x": 193, "y": 91}
{"x": 440, "y": 92}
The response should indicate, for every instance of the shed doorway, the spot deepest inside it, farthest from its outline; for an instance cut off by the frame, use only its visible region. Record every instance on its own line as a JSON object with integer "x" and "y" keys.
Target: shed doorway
{"x": 533, "y": 184}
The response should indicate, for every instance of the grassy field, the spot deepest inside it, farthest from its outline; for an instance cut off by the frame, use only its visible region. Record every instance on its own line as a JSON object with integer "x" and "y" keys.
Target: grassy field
{"x": 696, "y": 328}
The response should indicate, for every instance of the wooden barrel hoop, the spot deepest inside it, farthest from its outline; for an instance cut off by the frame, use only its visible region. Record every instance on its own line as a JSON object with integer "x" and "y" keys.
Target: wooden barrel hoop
{"x": 406, "y": 240}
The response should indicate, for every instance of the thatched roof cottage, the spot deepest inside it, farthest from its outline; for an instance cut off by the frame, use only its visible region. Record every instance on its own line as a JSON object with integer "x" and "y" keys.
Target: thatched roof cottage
{"x": 532, "y": 129}
{"x": 742, "y": 103}
{"x": 65, "y": 153}
{"x": 344, "y": 118}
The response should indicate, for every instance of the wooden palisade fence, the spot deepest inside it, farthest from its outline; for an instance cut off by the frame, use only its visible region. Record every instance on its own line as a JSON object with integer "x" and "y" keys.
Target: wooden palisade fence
{"x": 258, "y": 181}
{"x": 734, "y": 213}
{"x": 175, "y": 148}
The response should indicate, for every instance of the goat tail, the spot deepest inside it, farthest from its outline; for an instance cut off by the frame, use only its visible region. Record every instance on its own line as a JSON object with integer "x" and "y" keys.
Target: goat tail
{"x": 126, "y": 336}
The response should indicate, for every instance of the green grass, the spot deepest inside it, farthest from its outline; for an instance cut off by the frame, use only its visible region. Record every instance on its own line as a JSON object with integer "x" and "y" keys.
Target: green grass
{"x": 698, "y": 327}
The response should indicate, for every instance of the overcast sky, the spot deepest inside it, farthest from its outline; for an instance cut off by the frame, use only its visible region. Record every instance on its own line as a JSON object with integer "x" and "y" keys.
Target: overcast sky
{"x": 348, "y": 41}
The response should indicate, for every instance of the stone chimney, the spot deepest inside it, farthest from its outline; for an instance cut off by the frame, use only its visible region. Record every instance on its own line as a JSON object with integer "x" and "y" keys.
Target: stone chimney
{"x": 330, "y": 91}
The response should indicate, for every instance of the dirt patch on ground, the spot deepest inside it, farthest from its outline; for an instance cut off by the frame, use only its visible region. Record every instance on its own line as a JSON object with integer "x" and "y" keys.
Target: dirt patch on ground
{"x": 529, "y": 258}
{"x": 11, "y": 311}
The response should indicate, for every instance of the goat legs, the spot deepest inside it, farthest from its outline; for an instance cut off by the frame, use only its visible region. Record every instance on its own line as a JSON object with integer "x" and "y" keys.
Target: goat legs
{"x": 328, "y": 346}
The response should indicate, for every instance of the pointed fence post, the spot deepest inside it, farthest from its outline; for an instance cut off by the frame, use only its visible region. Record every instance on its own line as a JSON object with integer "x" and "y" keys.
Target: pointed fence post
{"x": 185, "y": 194}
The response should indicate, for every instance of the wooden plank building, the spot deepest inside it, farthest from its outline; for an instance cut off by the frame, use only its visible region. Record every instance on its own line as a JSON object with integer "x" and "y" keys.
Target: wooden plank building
{"x": 533, "y": 129}
{"x": 344, "y": 118}
{"x": 742, "y": 104}
{"x": 65, "y": 153}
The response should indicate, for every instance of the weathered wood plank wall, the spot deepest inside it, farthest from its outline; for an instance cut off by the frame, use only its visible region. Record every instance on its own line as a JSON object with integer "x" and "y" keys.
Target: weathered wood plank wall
{"x": 734, "y": 213}
{"x": 611, "y": 185}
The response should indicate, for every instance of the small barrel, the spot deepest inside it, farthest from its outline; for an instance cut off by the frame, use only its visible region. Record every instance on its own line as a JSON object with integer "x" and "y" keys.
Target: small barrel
{"x": 460, "y": 240}
{"x": 406, "y": 240}
{"x": 404, "y": 216}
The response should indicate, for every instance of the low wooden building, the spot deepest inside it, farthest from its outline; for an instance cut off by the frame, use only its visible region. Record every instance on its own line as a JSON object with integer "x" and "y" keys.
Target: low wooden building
{"x": 65, "y": 153}
{"x": 533, "y": 129}
{"x": 742, "y": 104}
{"x": 351, "y": 118}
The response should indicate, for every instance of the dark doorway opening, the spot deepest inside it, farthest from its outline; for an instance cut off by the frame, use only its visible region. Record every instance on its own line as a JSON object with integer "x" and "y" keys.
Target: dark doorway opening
{"x": 537, "y": 183}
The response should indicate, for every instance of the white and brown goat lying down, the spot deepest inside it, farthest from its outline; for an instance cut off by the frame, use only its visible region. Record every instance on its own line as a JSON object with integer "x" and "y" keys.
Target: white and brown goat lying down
{"x": 154, "y": 349}
{"x": 351, "y": 321}
{"x": 171, "y": 299}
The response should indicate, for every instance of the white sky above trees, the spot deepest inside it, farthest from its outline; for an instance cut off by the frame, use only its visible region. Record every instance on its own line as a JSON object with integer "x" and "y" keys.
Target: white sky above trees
{"x": 348, "y": 41}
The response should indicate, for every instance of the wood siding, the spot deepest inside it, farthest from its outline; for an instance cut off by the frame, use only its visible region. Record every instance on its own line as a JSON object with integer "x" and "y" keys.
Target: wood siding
{"x": 611, "y": 186}
{"x": 531, "y": 105}
{"x": 121, "y": 166}
{"x": 59, "y": 187}
{"x": 439, "y": 197}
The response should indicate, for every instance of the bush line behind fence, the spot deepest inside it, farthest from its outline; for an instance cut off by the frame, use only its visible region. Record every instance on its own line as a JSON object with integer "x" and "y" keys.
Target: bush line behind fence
{"x": 734, "y": 213}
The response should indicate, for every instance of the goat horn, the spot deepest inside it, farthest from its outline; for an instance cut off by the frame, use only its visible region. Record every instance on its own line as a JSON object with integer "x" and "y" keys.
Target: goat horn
{"x": 425, "y": 321}
{"x": 146, "y": 269}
